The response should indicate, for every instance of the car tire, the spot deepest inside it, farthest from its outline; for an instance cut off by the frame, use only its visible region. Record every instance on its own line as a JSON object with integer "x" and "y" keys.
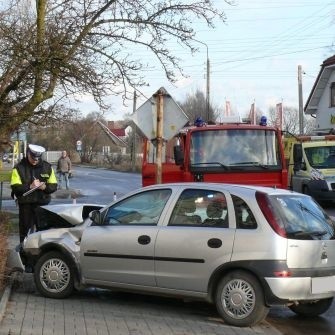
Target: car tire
{"x": 240, "y": 299}
{"x": 54, "y": 275}
{"x": 312, "y": 309}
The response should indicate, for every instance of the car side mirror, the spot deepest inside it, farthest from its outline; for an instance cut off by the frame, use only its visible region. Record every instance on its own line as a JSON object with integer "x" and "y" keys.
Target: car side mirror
{"x": 297, "y": 153}
{"x": 297, "y": 156}
{"x": 95, "y": 216}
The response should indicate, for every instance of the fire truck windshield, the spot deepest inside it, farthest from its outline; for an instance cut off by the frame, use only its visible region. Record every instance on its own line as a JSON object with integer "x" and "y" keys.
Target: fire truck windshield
{"x": 235, "y": 149}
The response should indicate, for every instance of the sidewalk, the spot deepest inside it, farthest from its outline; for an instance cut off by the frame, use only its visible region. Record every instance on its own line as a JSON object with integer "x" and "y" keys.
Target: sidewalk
{"x": 105, "y": 312}
{"x": 96, "y": 311}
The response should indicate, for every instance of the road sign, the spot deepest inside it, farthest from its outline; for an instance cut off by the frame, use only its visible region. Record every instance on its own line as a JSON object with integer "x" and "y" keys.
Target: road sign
{"x": 78, "y": 145}
{"x": 174, "y": 118}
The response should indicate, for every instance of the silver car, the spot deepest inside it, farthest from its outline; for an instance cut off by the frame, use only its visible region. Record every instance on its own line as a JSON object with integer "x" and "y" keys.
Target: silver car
{"x": 243, "y": 248}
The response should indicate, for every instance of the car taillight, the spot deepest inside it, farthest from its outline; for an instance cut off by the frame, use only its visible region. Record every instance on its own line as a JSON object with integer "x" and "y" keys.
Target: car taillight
{"x": 268, "y": 211}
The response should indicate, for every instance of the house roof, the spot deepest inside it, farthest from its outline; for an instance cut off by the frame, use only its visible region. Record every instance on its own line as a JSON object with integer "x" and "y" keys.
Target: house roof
{"x": 115, "y": 138}
{"x": 118, "y": 131}
{"x": 327, "y": 67}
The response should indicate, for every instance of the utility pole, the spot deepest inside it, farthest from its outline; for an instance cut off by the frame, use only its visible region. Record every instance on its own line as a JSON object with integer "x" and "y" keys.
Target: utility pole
{"x": 301, "y": 109}
{"x": 133, "y": 148}
{"x": 207, "y": 86}
{"x": 207, "y": 78}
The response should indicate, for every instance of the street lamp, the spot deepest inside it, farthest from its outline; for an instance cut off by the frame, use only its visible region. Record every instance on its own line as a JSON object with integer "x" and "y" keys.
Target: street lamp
{"x": 207, "y": 77}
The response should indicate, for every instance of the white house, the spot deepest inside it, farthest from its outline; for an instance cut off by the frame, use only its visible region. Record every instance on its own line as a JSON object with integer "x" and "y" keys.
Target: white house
{"x": 321, "y": 100}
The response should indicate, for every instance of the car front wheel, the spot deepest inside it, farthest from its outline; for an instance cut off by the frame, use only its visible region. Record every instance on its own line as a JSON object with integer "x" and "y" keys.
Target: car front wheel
{"x": 312, "y": 309}
{"x": 240, "y": 299}
{"x": 54, "y": 275}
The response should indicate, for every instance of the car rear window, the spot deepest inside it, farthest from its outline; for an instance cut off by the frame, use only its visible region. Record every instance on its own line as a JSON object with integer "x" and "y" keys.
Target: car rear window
{"x": 302, "y": 218}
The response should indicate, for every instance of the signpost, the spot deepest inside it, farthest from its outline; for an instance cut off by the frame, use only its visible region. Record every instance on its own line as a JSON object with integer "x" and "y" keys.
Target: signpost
{"x": 160, "y": 118}
{"x": 159, "y": 133}
{"x": 79, "y": 146}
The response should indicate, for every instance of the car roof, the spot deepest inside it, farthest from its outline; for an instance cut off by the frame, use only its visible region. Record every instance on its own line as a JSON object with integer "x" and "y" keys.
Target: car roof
{"x": 224, "y": 186}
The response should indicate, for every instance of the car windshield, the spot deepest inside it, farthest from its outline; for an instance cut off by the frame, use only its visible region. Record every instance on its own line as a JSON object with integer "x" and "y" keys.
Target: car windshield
{"x": 235, "y": 149}
{"x": 302, "y": 218}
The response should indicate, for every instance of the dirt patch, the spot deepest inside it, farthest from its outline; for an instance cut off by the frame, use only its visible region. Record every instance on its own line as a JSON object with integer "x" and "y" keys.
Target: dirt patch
{"x": 4, "y": 227}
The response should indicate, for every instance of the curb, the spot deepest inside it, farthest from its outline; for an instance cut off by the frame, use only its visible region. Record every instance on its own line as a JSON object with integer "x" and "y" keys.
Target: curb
{"x": 5, "y": 296}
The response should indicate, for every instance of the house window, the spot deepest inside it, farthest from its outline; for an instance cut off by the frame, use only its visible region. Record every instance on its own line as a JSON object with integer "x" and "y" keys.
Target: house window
{"x": 332, "y": 95}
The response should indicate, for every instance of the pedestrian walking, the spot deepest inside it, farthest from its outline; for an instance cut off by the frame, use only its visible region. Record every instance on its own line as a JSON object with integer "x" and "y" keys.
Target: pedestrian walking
{"x": 64, "y": 167}
{"x": 32, "y": 182}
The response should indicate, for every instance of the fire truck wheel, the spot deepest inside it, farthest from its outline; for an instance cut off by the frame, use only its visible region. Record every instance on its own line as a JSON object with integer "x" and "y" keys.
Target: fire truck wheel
{"x": 306, "y": 190}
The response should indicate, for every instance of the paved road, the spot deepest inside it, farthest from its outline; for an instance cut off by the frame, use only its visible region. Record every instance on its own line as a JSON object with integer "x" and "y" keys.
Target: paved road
{"x": 289, "y": 323}
{"x": 89, "y": 185}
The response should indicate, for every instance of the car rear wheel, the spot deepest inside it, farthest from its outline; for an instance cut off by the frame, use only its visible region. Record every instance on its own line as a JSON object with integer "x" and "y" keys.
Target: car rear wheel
{"x": 312, "y": 309}
{"x": 54, "y": 275}
{"x": 240, "y": 299}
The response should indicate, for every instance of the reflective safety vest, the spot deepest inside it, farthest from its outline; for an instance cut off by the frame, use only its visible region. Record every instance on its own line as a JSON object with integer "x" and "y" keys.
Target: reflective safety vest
{"x": 23, "y": 175}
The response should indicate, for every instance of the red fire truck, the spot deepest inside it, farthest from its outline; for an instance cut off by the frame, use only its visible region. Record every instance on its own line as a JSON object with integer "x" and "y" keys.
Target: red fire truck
{"x": 226, "y": 153}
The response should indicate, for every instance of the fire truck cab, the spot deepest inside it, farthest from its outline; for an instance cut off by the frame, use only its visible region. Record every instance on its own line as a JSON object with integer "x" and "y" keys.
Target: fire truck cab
{"x": 233, "y": 152}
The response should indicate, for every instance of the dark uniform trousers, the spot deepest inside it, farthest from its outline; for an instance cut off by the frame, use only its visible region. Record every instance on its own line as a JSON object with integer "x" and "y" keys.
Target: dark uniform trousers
{"x": 27, "y": 219}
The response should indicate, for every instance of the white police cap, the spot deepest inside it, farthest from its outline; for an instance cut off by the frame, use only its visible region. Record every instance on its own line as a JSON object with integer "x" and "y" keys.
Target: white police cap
{"x": 36, "y": 150}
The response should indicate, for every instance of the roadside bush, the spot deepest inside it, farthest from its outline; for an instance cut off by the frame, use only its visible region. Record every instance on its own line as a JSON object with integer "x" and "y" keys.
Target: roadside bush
{"x": 122, "y": 163}
{"x": 4, "y": 224}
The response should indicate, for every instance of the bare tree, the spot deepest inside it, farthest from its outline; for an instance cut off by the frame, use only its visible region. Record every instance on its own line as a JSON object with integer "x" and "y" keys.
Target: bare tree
{"x": 195, "y": 106}
{"x": 291, "y": 120}
{"x": 62, "y": 48}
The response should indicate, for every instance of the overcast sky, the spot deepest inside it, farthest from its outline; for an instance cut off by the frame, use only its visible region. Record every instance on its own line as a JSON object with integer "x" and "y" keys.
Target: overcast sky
{"x": 254, "y": 57}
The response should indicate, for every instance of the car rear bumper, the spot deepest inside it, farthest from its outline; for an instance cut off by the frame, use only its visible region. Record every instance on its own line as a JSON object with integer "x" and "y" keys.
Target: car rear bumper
{"x": 302, "y": 288}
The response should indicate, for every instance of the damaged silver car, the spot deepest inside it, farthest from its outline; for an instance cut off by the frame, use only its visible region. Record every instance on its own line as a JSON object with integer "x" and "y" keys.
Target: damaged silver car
{"x": 243, "y": 248}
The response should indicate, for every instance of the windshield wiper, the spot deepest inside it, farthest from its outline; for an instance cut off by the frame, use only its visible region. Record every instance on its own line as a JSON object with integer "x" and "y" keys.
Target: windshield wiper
{"x": 296, "y": 233}
{"x": 302, "y": 234}
{"x": 212, "y": 163}
{"x": 252, "y": 163}
{"x": 319, "y": 233}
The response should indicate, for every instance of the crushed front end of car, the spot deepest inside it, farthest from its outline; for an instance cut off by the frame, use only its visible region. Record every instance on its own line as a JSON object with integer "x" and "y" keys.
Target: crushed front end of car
{"x": 60, "y": 227}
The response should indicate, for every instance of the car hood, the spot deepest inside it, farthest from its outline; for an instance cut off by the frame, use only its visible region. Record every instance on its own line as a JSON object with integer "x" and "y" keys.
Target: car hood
{"x": 63, "y": 215}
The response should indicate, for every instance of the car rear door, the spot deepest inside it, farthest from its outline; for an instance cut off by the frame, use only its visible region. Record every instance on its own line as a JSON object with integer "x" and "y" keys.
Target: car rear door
{"x": 188, "y": 251}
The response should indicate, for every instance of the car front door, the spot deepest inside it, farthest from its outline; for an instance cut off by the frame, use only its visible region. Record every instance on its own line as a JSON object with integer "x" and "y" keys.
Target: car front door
{"x": 188, "y": 250}
{"x": 121, "y": 249}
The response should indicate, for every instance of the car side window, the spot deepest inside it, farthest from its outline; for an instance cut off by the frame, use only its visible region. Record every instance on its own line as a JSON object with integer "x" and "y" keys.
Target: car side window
{"x": 196, "y": 207}
{"x": 140, "y": 209}
{"x": 244, "y": 217}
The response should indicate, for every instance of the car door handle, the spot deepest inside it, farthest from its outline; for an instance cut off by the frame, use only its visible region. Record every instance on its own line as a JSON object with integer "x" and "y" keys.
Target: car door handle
{"x": 214, "y": 243}
{"x": 144, "y": 239}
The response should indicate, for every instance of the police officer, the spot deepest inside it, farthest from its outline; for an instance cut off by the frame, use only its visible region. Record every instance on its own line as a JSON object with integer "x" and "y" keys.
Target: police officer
{"x": 32, "y": 182}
